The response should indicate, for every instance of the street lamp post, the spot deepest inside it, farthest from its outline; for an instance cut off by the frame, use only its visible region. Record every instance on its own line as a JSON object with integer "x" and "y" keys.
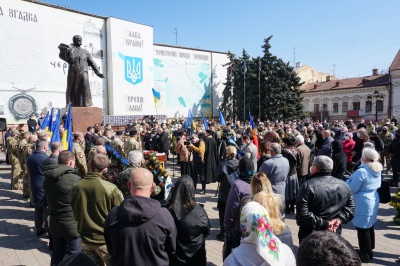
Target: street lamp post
{"x": 378, "y": 97}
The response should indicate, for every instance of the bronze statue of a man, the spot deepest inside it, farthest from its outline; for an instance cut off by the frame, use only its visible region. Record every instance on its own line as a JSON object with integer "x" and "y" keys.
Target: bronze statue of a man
{"x": 79, "y": 60}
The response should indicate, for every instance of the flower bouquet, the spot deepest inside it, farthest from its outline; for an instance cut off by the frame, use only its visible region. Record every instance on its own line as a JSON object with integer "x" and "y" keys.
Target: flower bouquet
{"x": 161, "y": 178}
{"x": 395, "y": 203}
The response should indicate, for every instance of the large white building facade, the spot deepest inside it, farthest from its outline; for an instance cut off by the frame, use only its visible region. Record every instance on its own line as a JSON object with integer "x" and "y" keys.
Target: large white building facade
{"x": 142, "y": 78}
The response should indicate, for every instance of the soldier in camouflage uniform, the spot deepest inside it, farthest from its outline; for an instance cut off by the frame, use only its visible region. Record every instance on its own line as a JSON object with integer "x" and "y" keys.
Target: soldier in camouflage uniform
{"x": 387, "y": 139}
{"x": 26, "y": 182}
{"x": 261, "y": 132}
{"x": 22, "y": 143}
{"x": 93, "y": 150}
{"x": 12, "y": 143}
{"x": 79, "y": 151}
{"x": 117, "y": 144}
{"x": 107, "y": 135}
{"x": 131, "y": 144}
{"x": 135, "y": 159}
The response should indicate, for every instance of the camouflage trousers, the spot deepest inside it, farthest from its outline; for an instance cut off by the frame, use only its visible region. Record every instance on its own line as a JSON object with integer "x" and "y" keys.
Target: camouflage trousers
{"x": 15, "y": 172}
{"x": 385, "y": 158}
{"x": 26, "y": 187}
{"x": 98, "y": 253}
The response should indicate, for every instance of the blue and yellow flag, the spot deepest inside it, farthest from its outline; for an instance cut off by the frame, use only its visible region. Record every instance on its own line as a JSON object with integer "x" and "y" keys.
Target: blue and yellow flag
{"x": 55, "y": 129}
{"x": 204, "y": 121}
{"x": 221, "y": 118}
{"x": 253, "y": 126}
{"x": 67, "y": 140}
{"x": 157, "y": 96}
{"x": 48, "y": 127}
{"x": 245, "y": 67}
{"x": 46, "y": 121}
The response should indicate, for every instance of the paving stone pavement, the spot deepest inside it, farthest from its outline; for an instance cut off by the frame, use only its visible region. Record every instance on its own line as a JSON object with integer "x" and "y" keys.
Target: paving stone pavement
{"x": 19, "y": 244}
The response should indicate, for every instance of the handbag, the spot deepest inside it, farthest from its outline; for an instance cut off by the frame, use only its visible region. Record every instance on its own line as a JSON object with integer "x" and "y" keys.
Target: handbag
{"x": 384, "y": 192}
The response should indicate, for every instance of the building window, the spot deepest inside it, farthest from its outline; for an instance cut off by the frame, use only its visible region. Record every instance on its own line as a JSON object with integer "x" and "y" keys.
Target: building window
{"x": 345, "y": 106}
{"x": 325, "y": 107}
{"x": 335, "y": 107}
{"x": 356, "y": 106}
{"x": 368, "y": 106}
{"x": 379, "y": 105}
{"x": 316, "y": 108}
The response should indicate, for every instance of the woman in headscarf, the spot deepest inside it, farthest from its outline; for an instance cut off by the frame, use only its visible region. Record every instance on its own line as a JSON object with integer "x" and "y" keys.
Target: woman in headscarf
{"x": 271, "y": 202}
{"x": 259, "y": 244}
{"x": 240, "y": 189}
{"x": 364, "y": 183}
{"x": 226, "y": 173}
{"x": 348, "y": 145}
{"x": 192, "y": 224}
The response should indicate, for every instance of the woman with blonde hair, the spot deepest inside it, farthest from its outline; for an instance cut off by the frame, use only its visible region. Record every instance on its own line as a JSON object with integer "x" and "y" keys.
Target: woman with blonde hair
{"x": 364, "y": 183}
{"x": 260, "y": 182}
{"x": 271, "y": 202}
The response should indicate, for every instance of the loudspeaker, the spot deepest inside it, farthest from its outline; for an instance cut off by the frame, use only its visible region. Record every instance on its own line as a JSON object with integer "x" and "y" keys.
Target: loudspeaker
{"x": 3, "y": 124}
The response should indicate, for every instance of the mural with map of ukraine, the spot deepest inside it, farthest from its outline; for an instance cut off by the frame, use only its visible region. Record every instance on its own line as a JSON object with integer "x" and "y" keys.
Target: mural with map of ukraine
{"x": 183, "y": 77}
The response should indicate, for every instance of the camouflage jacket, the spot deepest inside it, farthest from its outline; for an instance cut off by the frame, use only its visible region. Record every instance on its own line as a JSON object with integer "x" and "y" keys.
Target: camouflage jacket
{"x": 122, "y": 180}
{"x": 80, "y": 159}
{"x": 130, "y": 145}
{"x": 21, "y": 146}
{"x": 118, "y": 145}
{"x": 387, "y": 139}
{"x": 12, "y": 144}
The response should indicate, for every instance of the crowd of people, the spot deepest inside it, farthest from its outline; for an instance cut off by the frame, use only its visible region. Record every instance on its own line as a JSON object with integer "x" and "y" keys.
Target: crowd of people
{"x": 107, "y": 212}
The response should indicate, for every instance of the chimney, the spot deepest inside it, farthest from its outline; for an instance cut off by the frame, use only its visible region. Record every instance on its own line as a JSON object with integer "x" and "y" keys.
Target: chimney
{"x": 375, "y": 72}
{"x": 337, "y": 83}
{"x": 298, "y": 64}
{"x": 328, "y": 78}
{"x": 315, "y": 86}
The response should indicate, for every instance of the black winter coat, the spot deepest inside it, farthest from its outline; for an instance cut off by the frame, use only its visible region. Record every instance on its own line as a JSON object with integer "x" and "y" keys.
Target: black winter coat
{"x": 58, "y": 183}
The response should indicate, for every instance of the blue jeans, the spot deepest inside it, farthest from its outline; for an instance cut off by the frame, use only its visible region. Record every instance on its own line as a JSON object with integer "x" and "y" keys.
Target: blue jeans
{"x": 62, "y": 246}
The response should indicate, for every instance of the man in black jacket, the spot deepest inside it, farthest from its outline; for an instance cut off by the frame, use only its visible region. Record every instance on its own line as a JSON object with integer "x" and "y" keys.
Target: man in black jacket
{"x": 324, "y": 202}
{"x": 140, "y": 231}
{"x": 58, "y": 183}
{"x": 32, "y": 124}
{"x": 161, "y": 141}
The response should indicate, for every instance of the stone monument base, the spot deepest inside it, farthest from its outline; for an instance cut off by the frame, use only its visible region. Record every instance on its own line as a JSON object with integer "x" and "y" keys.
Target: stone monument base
{"x": 82, "y": 117}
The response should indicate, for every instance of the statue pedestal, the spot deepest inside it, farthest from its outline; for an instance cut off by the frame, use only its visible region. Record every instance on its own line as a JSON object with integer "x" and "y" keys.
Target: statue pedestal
{"x": 82, "y": 117}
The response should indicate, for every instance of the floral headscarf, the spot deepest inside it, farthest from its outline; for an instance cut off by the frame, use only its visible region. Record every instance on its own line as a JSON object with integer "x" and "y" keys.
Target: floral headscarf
{"x": 255, "y": 226}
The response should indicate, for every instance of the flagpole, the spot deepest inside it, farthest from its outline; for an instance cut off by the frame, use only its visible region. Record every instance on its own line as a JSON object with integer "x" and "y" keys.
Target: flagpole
{"x": 244, "y": 95}
{"x": 259, "y": 89}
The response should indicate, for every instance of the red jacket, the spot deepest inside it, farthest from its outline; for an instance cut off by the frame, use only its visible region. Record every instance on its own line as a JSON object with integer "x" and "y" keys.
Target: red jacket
{"x": 348, "y": 146}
